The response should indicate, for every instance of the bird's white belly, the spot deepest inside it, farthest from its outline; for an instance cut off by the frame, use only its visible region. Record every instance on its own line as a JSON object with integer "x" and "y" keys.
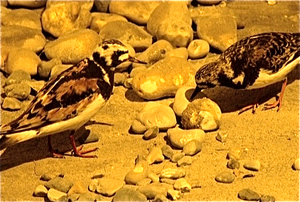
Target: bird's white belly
{"x": 75, "y": 122}
{"x": 266, "y": 78}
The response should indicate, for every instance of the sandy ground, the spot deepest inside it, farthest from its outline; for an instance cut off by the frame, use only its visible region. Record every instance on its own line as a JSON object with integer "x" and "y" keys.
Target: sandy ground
{"x": 268, "y": 136}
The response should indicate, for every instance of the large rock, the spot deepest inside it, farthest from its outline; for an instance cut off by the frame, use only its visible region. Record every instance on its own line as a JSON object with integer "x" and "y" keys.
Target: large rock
{"x": 127, "y": 32}
{"x": 60, "y": 17}
{"x": 73, "y": 46}
{"x": 136, "y": 11}
{"x": 171, "y": 21}
{"x": 164, "y": 78}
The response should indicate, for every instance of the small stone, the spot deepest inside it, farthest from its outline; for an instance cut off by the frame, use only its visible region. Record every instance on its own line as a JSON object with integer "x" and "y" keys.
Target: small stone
{"x": 198, "y": 48}
{"x": 55, "y": 195}
{"x": 40, "y": 191}
{"x": 93, "y": 185}
{"x": 267, "y": 198}
{"x": 174, "y": 194}
{"x": 57, "y": 69}
{"x": 172, "y": 173}
{"x": 100, "y": 19}
{"x": 182, "y": 185}
{"x": 77, "y": 188}
{"x": 143, "y": 182}
{"x": 127, "y": 194}
{"x": 151, "y": 190}
{"x": 109, "y": 187}
{"x": 45, "y": 67}
{"x": 192, "y": 147}
{"x": 151, "y": 133}
{"x": 222, "y": 136}
{"x": 73, "y": 197}
{"x": 119, "y": 78}
{"x": 167, "y": 181}
{"x": 35, "y": 85}
{"x": 137, "y": 127}
{"x": 60, "y": 184}
{"x": 181, "y": 52}
{"x": 185, "y": 161}
{"x": 179, "y": 137}
{"x": 155, "y": 156}
{"x": 17, "y": 77}
{"x": 253, "y": 165}
{"x": 233, "y": 164}
{"x": 248, "y": 195}
{"x": 10, "y": 103}
{"x": 18, "y": 90}
{"x": 27, "y": 3}
{"x": 22, "y": 59}
{"x": 225, "y": 177}
{"x": 271, "y": 2}
{"x": 49, "y": 176}
{"x": 195, "y": 184}
{"x": 139, "y": 172}
{"x": 167, "y": 151}
{"x": 296, "y": 164}
{"x": 153, "y": 177}
{"x": 160, "y": 198}
{"x": 235, "y": 153}
{"x": 88, "y": 137}
{"x": 88, "y": 196}
{"x": 209, "y": 2}
{"x": 176, "y": 157}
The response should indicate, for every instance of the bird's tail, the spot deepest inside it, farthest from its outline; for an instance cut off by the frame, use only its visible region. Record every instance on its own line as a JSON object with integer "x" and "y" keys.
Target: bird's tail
{"x": 7, "y": 140}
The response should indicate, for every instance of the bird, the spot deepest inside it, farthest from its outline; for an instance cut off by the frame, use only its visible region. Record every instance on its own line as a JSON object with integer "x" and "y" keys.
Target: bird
{"x": 253, "y": 62}
{"x": 69, "y": 100}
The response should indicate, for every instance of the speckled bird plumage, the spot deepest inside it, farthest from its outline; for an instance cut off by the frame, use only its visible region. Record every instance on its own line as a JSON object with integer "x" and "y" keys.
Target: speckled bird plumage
{"x": 253, "y": 62}
{"x": 69, "y": 100}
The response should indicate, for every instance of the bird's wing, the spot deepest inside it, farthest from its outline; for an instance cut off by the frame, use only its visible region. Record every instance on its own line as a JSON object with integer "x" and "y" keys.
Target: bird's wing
{"x": 61, "y": 98}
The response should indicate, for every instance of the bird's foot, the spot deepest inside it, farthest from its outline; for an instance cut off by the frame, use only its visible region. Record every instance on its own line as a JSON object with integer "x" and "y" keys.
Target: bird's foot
{"x": 253, "y": 107}
{"x": 78, "y": 152}
{"x": 273, "y": 105}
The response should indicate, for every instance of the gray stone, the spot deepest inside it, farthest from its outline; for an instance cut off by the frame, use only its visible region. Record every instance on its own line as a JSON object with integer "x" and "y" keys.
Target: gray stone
{"x": 151, "y": 133}
{"x": 11, "y": 103}
{"x": 126, "y": 32}
{"x": 233, "y": 164}
{"x": 198, "y": 49}
{"x": 167, "y": 151}
{"x": 182, "y": 185}
{"x": 225, "y": 177}
{"x": 45, "y": 67}
{"x": 267, "y": 198}
{"x": 172, "y": 173}
{"x": 17, "y": 77}
{"x": 101, "y": 19}
{"x": 40, "y": 191}
{"x": 49, "y": 176}
{"x": 55, "y": 195}
{"x": 109, "y": 187}
{"x": 27, "y": 3}
{"x": 61, "y": 17}
{"x": 18, "y": 91}
{"x": 127, "y": 194}
{"x": 155, "y": 156}
{"x": 176, "y": 157}
{"x": 151, "y": 190}
{"x": 248, "y": 195}
{"x": 60, "y": 184}
{"x": 22, "y": 59}
{"x": 185, "y": 161}
{"x": 253, "y": 165}
{"x": 192, "y": 147}
{"x": 139, "y": 172}
{"x": 73, "y": 46}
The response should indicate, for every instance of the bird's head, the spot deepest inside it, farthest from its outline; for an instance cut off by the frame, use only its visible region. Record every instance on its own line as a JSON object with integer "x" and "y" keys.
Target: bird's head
{"x": 111, "y": 53}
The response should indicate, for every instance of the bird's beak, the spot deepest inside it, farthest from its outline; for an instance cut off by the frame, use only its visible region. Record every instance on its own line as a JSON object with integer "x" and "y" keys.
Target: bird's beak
{"x": 196, "y": 91}
{"x": 133, "y": 59}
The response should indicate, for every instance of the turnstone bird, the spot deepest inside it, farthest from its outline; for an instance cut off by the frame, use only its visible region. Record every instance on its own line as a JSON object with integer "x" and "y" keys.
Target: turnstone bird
{"x": 251, "y": 63}
{"x": 69, "y": 100}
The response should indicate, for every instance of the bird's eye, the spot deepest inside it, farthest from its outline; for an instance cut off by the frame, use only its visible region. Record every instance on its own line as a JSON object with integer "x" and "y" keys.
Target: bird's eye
{"x": 105, "y": 47}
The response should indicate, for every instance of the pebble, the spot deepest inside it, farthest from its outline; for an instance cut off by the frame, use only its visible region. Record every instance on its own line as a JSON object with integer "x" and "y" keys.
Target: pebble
{"x": 167, "y": 181}
{"x": 222, "y": 136}
{"x": 119, "y": 78}
{"x": 225, "y": 177}
{"x": 235, "y": 153}
{"x": 174, "y": 194}
{"x": 267, "y": 198}
{"x": 88, "y": 137}
{"x": 45, "y": 67}
{"x": 57, "y": 69}
{"x": 201, "y": 113}
{"x": 61, "y": 17}
{"x": 93, "y": 185}
{"x": 248, "y": 195}
{"x": 296, "y": 164}
{"x": 271, "y": 2}
{"x": 34, "y": 85}
{"x": 175, "y": 28}
{"x": 21, "y": 17}
{"x": 151, "y": 190}
{"x": 77, "y": 188}
{"x": 49, "y": 176}
{"x": 160, "y": 198}
{"x": 144, "y": 181}
{"x": 179, "y": 137}
{"x": 185, "y": 161}
{"x": 101, "y": 19}
{"x": 89, "y": 197}
{"x": 182, "y": 99}
{"x": 27, "y": 3}
{"x": 60, "y": 184}
{"x": 18, "y": 91}
{"x": 195, "y": 183}
{"x": 176, "y": 157}
{"x": 209, "y": 2}
{"x": 136, "y": 11}
{"x": 253, "y": 165}
{"x": 55, "y": 195}
{"x": 22, "y": 59}
{"x": 157, "y": 115}
{"x": 151, "y": 133}
{"x": 73, "y": 197}
{"x": 167, "y": 151}
{"x": 109, "y": 187}
{"x": 192, "y": 147}
{"x": 66, "y": 47}
{"x": 40, "y": 191}
{"x": 17, "y": 77}
{"x": 127, "y": 194}
{"x": 233, "y": 164}
{"x": 102, "y": 6}
{"x": 198, "y": 49}
{"x": 153, "y": 177}
{"x": 155, "y": 156}
{"x": 127, "y": 32}
{"x": 137, "y": 127}
{"x": 182, "y": 185}
{"x": 11, "y": 103}
{"x": 172, "y": 173}
{"x": 179, "y": 52}
{"x": 163, "y": 78}
{"x": 139, "y": 172}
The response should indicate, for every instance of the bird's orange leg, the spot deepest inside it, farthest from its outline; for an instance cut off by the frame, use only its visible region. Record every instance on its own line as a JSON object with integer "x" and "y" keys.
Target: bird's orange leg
{"x": 54, "y": 153}
{"x": 78, "y": 152}
{"x": 279, "y": 101}
{"x": 252, "y": 106}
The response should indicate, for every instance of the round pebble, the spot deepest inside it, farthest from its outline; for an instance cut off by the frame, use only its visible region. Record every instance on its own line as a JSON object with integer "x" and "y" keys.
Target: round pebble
{"x": 155, "y": 156}
{"x": 248, "y": 195}
{"x": 167, "y": 151}
{"x": 182, "y": 185}
{"x": 151, "y": 133}
{"x": 192, "y": 147}
{"x": 233, "y": 164}
{"x": 137, "y": 127}
{"x": 198, "y": 48}
{"x": 253, "y": 165}
{"x": 172, "y": 173}
{"x": 296, "y": 164}
{"x": 185, "y": 161}
{"x": 225, "y": 177}
{"x": 45, "y": 67}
